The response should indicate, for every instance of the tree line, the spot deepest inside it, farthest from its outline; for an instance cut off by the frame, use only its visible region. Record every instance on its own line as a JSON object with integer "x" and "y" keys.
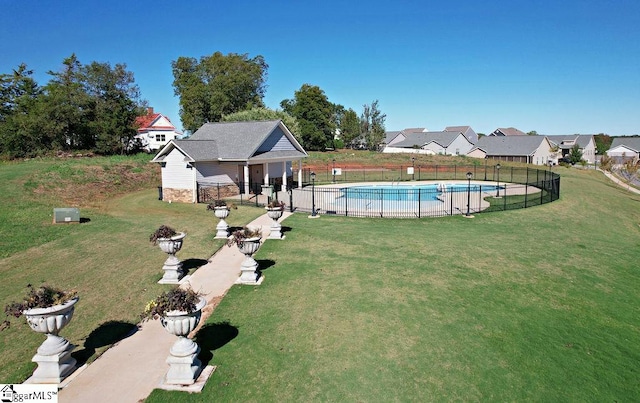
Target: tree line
{"x": 93, "y": 107}
{"x": 232, "y": 87}
{"x": 90, "y": 107}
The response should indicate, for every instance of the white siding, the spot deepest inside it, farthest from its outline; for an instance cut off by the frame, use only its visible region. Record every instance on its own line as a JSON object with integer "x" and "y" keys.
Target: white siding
{"x": 460, "y": 144}
{"x": 277, "y": 141}
{"x": 275, "y": 169}
{"x": 543, "y": 154}
{"x": 402, "y": 150}
{"x": 215, "y": 172}
{"x": 175, "y": 174}
{"x": 621, "y": 151}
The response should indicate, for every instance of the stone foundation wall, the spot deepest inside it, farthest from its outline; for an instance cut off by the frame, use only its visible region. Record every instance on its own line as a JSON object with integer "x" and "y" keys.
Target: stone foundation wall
{"x": 209, "y": 194}
{"x": 177, "y": 195}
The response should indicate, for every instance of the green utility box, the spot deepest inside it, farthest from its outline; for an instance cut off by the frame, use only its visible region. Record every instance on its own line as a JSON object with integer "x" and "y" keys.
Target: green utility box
{"x": 66, "y": 215}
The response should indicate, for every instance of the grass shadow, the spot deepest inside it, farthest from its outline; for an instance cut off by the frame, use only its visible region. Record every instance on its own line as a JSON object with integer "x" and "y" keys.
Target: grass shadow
{"x": 211, "y": 337}
{"x": 284, "y": 229}
{"x": 264, "y": 264}
{"x": 193, "y": 263}
{"x": 106, "y": 334}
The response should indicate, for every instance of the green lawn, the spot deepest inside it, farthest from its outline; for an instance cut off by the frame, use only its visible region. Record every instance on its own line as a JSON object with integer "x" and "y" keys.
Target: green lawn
{"x": 536, "y": 304}
{"x": 108, "y": 259}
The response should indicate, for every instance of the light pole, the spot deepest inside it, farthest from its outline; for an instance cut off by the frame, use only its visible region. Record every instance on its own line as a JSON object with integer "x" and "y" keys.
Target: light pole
{"x": 313, "y": 194}
{"x": 469, "y": 175}
{"x": 413, "y": 168}
{"x": 334, "y": 170}
{"x": 486, "y": 158}
{"x": 498, "y": 181}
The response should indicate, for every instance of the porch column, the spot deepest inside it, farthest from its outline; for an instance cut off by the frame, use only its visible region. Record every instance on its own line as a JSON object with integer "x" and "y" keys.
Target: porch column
{"x": 246, "y": 178}
{"x": 284, "y": 175}
{"x": 266, "y": 173}
{"x": 300, "y": 174}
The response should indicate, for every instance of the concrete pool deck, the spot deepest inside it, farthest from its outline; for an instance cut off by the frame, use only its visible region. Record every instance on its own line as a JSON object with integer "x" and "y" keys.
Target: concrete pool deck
{"x": 333, "y": 202}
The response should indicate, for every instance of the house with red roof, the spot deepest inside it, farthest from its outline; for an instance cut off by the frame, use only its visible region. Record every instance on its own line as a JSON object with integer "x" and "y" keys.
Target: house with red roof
{"x": 154, "y": 131}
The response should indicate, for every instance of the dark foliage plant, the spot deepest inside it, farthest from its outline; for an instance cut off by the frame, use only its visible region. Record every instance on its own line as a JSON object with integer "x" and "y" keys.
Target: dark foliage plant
{"x": 276, "y": 204}
{"x": 162, "y": 232}
{"x": 220, "y": 203}
{"x": 42, "y": 297}
{"x": 239, "y": 236}
{"x": 176, "y": 299}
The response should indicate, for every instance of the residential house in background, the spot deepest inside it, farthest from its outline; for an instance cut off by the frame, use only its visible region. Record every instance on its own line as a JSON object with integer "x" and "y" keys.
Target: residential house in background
{"x": 154, "y": 131}
{"x": 535, "y": 150}
{"x": 624, "y": 148}
{"x": 586, "y": 143}
{"x": 230, "y": 157}
{"x": 507, "y": 131}
{"x": 468, "y": 132}
{"x": 446, "y": 143}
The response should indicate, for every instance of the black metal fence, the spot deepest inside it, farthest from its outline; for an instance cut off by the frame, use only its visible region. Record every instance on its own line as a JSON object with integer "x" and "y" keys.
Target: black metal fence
{"x": 431, "y": 191}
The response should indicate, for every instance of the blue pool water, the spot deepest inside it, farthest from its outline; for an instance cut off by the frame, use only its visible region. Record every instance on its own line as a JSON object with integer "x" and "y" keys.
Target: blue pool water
{"x": 428, "y": 192}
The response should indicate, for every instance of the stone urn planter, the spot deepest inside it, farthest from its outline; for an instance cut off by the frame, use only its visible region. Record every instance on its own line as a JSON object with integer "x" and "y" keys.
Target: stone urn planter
{"x": 184, "y": 365}
{"x": 170, "y": 242}
{"x": 222, "y": 229}
{"x": 248, "y": 242}
{"x": 249, "y": 266}
{"x": 172, "y": 267}
{"x": 221, "y": 211}
{"x": 54, "y": 354}
{"x": 275, "y": 213}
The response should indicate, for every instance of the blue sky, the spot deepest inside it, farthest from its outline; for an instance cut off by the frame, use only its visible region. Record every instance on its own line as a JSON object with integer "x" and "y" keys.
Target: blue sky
{"x": 557, "y": 67}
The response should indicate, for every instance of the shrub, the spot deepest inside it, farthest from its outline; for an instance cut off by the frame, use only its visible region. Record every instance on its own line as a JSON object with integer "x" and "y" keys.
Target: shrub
{"x": 162, "y": 232}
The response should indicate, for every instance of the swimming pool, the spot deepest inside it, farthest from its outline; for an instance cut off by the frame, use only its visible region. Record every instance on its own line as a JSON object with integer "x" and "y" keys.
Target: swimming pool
{"x": 424, "y": 192}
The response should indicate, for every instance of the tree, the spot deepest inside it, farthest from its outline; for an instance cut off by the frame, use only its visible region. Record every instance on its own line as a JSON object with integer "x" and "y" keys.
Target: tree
{"x": 265, "y": 114}
{"x": 82, "y": 107}
{"x": 19, "y": 98}
{"x": 603, "y": 142}
{"x": 532, "y": 133}
{"x": 349, "y": 127}
{"x": 68, "y": 107}
{"x": 575, "y": 154}
{"x": 372, "y": 125}
{"x": 116, "y": 99}
{"x": 217, "y": 85}
{"x": 314, "y": 114}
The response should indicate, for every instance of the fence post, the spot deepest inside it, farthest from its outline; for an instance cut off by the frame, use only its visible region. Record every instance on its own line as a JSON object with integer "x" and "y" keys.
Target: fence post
{"x": 504, "y": 199}
{"x": 290, "y": 191}
{"x": 419, "y": 202}
{"x": 526, "y": 188}
{"x": 346, "y": 202}
{"x": 451, "y": 203}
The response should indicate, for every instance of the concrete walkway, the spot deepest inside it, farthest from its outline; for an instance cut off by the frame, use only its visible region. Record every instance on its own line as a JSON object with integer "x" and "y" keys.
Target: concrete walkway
{"x": 619, "y": 182}
{"x": 130, "y": 370}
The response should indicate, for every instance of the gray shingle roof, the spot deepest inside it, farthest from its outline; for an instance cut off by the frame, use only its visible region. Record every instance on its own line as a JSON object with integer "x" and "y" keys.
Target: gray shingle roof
{"x": 199, "y": 150}
{"x": 582, "y": 140}
{"x": 420, "y": 139}
{"x": 388, "y": 136}
{"x": 236, "y": 140}
{"x": 509, "y": 131}
{"x": 510, "y": 145}
{"x": 630, "y": 142}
